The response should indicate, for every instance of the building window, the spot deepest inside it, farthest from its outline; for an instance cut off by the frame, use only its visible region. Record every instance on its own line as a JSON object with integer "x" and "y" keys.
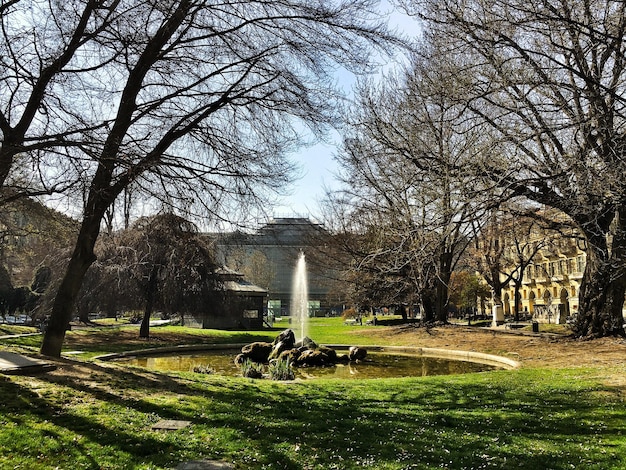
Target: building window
{"x": 580, "y": 264}
{"x": 251, "y": 314}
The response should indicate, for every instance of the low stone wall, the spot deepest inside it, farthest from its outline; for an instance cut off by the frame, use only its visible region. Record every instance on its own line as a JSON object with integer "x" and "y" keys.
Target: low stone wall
{"x": 470, "y": 356}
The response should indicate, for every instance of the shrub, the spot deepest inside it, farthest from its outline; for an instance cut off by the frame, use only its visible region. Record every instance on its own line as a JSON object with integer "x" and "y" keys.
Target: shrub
{"x": 281, "y": 369}
{"x": 251, "y": 369}
{"x": 349, "y": 313}
{"x": 203, "y": 369}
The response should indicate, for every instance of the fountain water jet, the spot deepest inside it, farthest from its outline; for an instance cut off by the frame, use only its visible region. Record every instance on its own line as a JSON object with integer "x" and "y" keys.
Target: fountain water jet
{"x": 300, "y": 298}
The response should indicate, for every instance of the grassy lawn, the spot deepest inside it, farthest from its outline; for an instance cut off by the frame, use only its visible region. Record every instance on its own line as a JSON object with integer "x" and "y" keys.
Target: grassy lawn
{"x": 8, "y": 329}
{"x": 98, "y": 415}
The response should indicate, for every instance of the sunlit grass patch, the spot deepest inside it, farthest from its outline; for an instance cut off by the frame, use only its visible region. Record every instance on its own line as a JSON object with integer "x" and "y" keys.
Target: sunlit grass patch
{"x": 521, "y": 419}
{"x": 9, "y": 329}
{"x": 97, "y": 415}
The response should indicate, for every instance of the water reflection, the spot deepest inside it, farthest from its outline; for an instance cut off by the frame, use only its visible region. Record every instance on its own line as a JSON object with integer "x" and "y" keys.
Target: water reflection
{"x": 377, "y": 365}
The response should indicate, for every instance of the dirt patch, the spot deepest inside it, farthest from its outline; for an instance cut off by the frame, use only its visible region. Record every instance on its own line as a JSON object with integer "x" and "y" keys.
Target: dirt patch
{"x": 531, "y": 350}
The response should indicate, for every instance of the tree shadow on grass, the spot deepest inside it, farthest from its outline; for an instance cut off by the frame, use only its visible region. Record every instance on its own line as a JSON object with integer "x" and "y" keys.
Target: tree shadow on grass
{"x": 124, "y": 337}
{"x": 437, "y": 425}
{"x": 50, "y": 433}
{"x": 138, "y": 398}
{"x": 498, "y": 420}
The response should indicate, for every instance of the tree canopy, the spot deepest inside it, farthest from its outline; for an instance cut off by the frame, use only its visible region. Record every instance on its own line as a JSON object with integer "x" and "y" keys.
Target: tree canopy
{"x": 191, "y": 103}
{"x": 545, "y": 82}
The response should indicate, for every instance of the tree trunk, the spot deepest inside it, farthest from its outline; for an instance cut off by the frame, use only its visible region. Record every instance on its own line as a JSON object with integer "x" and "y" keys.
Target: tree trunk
{"x": 64, "y": 302}
{"x": 82, "y": 257}
{"x": 516, "y": 299}
{"x": 442, "y": 283}
{"x": 83, "y": 315}
{"x": 402, "y": 312}
{"x": 601, "y": 303}
{"x": 144, "y": 329}
{"x": 427, "y": 305}
{"x": 6, "y": 160}
{"x": 441, "y": 300}
{"x": 603, "y": 287}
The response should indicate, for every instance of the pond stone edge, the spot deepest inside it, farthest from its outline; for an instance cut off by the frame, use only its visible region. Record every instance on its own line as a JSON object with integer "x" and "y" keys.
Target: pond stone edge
{"x": 469, "y": 356}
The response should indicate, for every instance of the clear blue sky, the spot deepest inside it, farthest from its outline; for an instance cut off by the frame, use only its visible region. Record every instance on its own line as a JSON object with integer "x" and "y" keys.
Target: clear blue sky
{"x": 317, "y": 162}
{"x": 317, "y": 166}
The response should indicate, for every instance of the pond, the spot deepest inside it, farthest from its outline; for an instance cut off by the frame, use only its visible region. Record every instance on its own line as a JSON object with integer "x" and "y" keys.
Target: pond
{"x": 376, "y": 365}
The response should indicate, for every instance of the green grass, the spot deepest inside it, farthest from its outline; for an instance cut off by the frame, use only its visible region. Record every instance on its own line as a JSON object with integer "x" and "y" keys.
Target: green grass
{"x": 101, "y": 419}
{"x": 521, "y": 419}
{"x": 8, "y": 329}
{"x": 96, "y": 340}
{"x": 333, "y": 330}
{"x": 122, "y": 336}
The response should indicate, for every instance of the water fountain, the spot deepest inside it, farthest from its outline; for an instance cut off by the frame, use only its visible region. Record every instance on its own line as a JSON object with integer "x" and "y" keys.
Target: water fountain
{"x": 287, "y": 347}
{"x": 300, "y": 298}
{"x": 305, "y": 355}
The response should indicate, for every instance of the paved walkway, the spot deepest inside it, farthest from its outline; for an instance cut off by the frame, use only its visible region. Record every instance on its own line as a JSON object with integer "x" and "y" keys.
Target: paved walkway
{"x": 21, "y": 335}
{"x": 17, "y": 364}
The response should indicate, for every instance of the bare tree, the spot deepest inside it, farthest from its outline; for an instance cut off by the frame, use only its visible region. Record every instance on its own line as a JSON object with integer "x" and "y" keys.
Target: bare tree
{"x": 45, "y": 50}
{"x": 378, "y": 268}
{"x": 200, "y": 103}
{"x": 253, "y": 264}
{"x": 400, "y": 163}
{"x": 548, "y": 79}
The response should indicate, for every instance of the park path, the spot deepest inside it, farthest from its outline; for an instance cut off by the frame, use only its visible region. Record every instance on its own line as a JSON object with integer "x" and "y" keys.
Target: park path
{"x": 12, "y": 363}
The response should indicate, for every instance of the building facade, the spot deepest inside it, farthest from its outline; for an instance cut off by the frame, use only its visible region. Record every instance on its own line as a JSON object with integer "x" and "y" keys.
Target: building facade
{"x": 268, "y": 258}
{"x": 242, "y": 305}
{"x": 550, "y": 284}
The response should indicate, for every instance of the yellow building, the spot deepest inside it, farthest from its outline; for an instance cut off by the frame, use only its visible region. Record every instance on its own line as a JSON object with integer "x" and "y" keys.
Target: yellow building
{"x": 551, "y": 283}
{"x": 541, "y": 254}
